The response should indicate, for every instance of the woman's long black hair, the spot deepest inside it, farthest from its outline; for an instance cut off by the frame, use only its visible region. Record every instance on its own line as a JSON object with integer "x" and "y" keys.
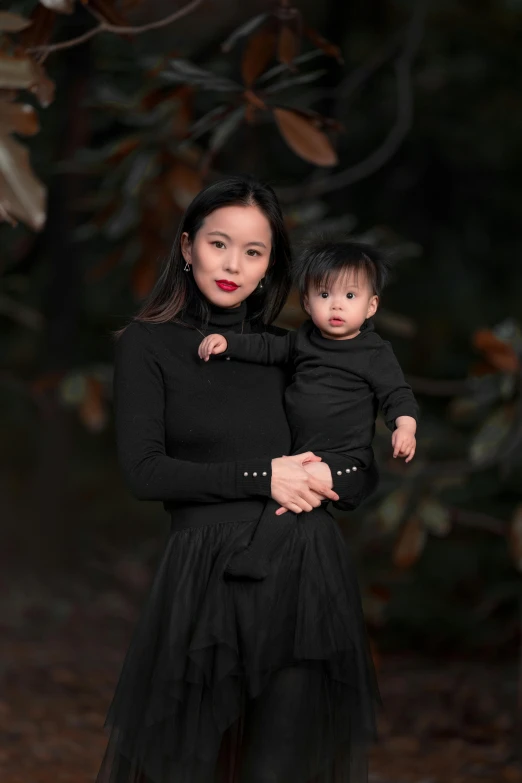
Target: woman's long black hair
{"x": 176, "y": 289}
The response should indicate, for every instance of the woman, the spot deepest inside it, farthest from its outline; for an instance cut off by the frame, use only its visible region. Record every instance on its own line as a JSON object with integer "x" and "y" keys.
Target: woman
{"x": 243, "y": 682}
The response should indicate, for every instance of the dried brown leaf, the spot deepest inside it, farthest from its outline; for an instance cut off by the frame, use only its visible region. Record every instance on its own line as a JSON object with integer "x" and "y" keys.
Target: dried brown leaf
{"x": 18, "y": 118}
{"x": 253, "y": 100}
{"x": 410, "y": 543}
{"x": 321, "y": 42}
{"x": 106, "y": 9}
{"x": 305, "y": 139}
{"x": 43, "y": 87}
{"x": 500, "y": 354}
{"x": 8, "y": 95}
{"x": 124, "y": 148}
{"x": 21, "y": 72}
{"x": 16, "y": 71}
{"x": 92, "y": 409}
{"x": 258, "y": 53}
{"x": 13, "y": 23}
{"x": 288, "y": 45}
{"x": 60, "y": 6}
{"x": 42, "y": 25}
{"x": 22, "y": 195}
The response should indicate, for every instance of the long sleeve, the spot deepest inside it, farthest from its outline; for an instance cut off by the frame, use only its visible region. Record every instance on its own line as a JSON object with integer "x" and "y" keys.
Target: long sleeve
{"x": 352, "y": 483}
{"x": 261, "y": 348}
{"x": 139, "y": 397}
{"x": 393, "y": 393}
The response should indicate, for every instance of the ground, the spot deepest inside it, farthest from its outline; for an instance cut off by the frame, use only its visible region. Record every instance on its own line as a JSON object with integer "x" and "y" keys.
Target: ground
{"x": 445, "y": 721}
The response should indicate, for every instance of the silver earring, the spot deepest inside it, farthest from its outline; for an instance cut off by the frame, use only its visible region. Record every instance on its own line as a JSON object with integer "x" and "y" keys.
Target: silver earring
{"x": 186, "y": 268}
{"x": 260, "y": 284}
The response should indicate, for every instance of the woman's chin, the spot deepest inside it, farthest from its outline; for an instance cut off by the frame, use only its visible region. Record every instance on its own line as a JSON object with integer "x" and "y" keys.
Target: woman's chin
{"x": 220, "y": 298}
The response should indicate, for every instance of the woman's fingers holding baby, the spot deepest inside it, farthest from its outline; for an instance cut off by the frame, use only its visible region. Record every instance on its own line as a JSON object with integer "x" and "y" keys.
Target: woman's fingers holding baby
{"x": 294, "y": 488}
{"x": 315, "y": 502}
{"x": 212, "y": 344}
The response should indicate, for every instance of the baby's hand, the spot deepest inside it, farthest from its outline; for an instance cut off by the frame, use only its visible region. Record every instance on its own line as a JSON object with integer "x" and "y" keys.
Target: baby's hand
{"x": 404, "y": 443}
{"x": 213, "y": 343}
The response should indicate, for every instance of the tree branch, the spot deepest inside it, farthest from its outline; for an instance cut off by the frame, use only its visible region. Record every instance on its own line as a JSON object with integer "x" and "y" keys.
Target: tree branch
{"x": 105, "y": 27}
{"x": 404, "y": 118}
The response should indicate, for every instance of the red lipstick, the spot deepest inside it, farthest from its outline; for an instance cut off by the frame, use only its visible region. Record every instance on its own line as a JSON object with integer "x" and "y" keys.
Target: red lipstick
{"x": 227, "y": 285}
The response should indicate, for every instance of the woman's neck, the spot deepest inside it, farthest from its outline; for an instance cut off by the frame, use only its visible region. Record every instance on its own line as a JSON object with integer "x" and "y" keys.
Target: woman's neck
{"x": 219, "y": 317}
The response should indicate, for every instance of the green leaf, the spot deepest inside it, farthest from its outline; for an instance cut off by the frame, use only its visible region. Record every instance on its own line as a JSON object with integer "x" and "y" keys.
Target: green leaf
{"x": 491, "y": 435}
{"x": 184, "y": 72}
{"x": 435, "y": 517}
{"x": 391, "y": 510}
{"x": 243, "y": 31}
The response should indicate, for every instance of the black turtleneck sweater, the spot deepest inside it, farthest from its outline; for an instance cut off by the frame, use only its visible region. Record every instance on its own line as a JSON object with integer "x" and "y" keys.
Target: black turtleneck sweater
{"x": 337, "y": 387}
{"x": 190, "y": 431}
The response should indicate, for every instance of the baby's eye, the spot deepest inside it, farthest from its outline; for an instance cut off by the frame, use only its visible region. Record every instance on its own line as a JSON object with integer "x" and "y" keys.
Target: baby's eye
{"x": 219, "y": 244}
{"x": 350, "y": 296}
{"x": 324, "y": 294}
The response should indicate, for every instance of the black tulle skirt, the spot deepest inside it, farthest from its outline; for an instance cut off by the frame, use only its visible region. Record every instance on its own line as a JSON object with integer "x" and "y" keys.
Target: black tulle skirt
{"x": 246, "y": 682}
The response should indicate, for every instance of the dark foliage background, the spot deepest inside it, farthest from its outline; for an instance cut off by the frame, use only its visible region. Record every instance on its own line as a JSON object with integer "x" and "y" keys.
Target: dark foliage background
{"x": 396, "y": 121}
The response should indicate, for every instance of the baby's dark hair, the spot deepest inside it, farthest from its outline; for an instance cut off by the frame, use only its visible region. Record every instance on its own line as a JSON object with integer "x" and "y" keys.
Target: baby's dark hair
{"x": 322, "y": 260}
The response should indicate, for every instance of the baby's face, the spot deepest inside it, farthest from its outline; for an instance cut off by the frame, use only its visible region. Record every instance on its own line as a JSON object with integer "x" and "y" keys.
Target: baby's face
{"x": 340, "y": 308}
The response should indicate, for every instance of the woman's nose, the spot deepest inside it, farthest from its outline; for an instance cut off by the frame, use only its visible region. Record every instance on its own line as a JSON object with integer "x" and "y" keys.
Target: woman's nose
{"x": 232, "y": 262}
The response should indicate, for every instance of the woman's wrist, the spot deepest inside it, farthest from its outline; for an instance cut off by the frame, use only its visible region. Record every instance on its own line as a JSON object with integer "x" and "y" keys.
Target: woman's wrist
{"x": 254, "y": 477}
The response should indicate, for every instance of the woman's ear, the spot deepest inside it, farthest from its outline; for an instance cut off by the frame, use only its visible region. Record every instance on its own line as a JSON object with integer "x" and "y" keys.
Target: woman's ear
{"x": 372, "y": 307}
{"x": 186, "y": 248}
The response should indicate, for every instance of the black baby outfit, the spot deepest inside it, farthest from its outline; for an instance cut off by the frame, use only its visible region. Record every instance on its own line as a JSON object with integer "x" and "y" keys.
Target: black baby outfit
{"x": 331, "y": 405}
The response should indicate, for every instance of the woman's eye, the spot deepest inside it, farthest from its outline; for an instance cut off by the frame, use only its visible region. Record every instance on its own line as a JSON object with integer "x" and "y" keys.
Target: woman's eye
{"x": 350, "y": 296}
{"x": 253, "y": 252}
{"x": 219, "y": 244}
{"x": 324, "y": 295}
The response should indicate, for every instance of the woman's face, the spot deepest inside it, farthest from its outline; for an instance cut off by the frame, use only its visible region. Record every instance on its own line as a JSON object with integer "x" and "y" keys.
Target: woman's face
{"x": 229, "y": 254}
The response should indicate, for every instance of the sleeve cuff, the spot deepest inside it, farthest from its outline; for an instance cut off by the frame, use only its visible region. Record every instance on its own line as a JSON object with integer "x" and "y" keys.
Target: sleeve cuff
{"x": 345, "y": 476}
{"x": 254, "y": 477}
{"x": 401, "y": 410}
{"x": 351, "y": 482}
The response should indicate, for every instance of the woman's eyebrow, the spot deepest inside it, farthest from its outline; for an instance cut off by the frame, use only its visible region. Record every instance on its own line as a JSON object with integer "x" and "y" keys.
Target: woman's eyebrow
{"x": 226, "y": 236}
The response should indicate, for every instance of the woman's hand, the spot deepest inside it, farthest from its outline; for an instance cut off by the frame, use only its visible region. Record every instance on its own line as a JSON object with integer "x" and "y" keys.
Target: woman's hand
{"x": 295, "y": 487}
{"x": 321, "y": 471}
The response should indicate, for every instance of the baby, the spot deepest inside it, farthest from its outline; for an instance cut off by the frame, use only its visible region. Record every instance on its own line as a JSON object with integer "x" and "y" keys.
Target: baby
{"x": 343, "y": 373}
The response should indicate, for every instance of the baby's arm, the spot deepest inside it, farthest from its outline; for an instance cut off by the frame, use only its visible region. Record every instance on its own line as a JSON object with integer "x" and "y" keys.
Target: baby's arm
{"x": 259, "y": 348}
{"x": 212, "y": 344}
{"x": 396, "y": 399}
{"x": 403, "y": 437}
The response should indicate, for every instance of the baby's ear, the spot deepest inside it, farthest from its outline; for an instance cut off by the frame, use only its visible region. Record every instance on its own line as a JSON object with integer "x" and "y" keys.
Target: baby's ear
{"x": 372, "y": 307}
{"x": 306, "y": 305}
